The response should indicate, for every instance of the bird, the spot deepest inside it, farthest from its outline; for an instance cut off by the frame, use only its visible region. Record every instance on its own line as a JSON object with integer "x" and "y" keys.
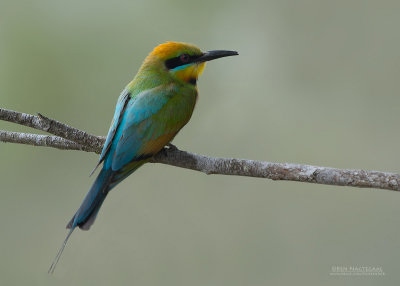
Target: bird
{"x": 150, "y": 111}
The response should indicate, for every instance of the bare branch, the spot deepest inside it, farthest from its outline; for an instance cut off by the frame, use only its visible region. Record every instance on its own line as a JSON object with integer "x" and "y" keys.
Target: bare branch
{"x": 279, "y": 171}
{"x": 42, "y": 140}
{"x": 69, "y": 138}
{"x": 54, "y": 127}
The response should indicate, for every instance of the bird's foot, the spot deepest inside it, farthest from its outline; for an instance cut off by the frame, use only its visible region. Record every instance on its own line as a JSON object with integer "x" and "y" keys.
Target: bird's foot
{"x": 172, "y": 147}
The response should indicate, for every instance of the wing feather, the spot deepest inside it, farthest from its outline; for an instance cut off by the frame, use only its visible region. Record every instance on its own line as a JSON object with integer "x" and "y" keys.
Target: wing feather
{"x": 118, "y": 114}
{"x": 151, "y": 120}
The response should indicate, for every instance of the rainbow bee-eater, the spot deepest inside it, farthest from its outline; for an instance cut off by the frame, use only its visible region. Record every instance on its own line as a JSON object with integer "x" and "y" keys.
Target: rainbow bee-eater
{"x": 150, "y": 111}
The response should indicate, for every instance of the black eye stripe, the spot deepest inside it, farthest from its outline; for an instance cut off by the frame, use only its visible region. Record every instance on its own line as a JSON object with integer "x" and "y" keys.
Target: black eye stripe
{"x": 177, "y": 61}
{"x": 184, "y": 58}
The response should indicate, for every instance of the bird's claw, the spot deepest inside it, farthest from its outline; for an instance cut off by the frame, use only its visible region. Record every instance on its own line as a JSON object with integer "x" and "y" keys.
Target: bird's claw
{"x": 172, "y": 147}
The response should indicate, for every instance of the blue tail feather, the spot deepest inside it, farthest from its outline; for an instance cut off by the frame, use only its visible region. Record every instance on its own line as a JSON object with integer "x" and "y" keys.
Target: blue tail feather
{"x": 90, "y": 206}
{"x": 87, "y": 212}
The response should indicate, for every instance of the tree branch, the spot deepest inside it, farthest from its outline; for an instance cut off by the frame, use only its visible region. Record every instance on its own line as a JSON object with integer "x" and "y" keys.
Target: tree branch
{"x": 54, "y": 127}
{"x": 69, "y": 138}
{"x": 42, "y": 140}
{"x": 280, "y": 171}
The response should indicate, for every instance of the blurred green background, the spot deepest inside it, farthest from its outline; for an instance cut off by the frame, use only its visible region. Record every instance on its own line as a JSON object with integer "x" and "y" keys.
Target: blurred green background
{"x": 316, "y": 82}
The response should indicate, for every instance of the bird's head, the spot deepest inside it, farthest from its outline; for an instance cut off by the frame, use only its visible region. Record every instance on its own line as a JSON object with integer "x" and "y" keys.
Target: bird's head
{"x": 183, "y": 61}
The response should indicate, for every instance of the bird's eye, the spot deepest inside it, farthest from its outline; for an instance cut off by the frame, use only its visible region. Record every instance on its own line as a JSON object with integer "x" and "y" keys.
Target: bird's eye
{"x": 184, "y": 58}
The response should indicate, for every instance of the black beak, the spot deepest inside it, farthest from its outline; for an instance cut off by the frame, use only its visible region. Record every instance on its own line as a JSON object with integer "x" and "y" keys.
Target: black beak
{"x": 212, "y": 55}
